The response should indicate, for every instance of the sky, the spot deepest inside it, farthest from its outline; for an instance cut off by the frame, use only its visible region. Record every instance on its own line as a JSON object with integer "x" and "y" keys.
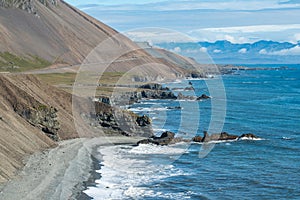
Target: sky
{"x": 238, "y": 21}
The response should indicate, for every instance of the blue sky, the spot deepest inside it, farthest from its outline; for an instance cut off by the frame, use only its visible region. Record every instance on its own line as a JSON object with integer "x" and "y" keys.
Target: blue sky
{"x": 238, "y": 21}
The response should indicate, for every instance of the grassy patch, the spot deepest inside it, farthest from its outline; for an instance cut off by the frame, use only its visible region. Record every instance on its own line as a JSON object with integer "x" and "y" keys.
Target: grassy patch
{"x": 58, "y": 78}
{"x": 13, "y": 63}
{"x": 107, "y": 78}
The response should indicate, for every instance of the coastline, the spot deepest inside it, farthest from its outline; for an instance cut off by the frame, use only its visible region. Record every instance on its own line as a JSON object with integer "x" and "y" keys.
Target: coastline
{"x": 61, "y": 173}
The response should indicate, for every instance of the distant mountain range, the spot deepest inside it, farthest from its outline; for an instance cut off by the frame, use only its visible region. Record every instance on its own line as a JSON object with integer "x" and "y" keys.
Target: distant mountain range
{"x": 225, "y": 52}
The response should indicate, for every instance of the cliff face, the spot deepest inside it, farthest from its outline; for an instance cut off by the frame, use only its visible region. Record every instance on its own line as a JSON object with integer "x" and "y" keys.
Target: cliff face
{"x": 29, "y": 118}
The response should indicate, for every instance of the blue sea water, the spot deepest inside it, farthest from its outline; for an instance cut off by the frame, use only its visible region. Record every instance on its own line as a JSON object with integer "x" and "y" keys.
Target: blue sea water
{"x": 266, "y": 103}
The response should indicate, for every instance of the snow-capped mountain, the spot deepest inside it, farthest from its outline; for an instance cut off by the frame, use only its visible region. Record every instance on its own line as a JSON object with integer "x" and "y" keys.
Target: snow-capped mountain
{"x": 247, "y": 53}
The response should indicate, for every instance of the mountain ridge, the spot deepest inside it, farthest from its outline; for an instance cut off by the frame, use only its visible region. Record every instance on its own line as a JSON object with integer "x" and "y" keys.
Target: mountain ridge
{"x": 225, "y": 52}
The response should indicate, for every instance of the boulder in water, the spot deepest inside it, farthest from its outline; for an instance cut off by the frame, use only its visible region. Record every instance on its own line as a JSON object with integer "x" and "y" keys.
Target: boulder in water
{"x": 165, "y": 139}
{"x": 197, "y": 139}
{"x": 202, "y": 97}
{"x": 218, "y": 137}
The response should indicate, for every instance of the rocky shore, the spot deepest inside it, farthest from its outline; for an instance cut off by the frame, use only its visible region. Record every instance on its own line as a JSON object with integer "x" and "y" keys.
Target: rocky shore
{"x": 59, "y": 173}
{"x": 147, "y": 91}
{"x": 130, "y": 124}
{"x": 168, "y": 138}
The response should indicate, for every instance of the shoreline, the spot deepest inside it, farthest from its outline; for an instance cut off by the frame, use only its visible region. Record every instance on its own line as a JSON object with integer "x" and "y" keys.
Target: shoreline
{"x": 61, "y": 173}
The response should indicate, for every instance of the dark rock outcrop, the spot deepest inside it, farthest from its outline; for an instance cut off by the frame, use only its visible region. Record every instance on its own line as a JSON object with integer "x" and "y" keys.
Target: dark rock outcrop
{"x": 222, "y": 137}
{"x": 128, "y": 98}
{"x": 197, "y": 139}
{"x": 153, "y": 86}
{"x": 180, "y": 96}
{"x": 203, "y": 97}
{"x": 27, "y": 5}
{"x": 143, "y": 120}
{"x": 43, "y": 117}
{"x": 218, "y": 137}
{"x": 122, "y": 121}
{"x": 174, "y": 108}
{"x": 197, "y": 75}
{"x": 165, "y": 139}
{"x": 158, "y": 94}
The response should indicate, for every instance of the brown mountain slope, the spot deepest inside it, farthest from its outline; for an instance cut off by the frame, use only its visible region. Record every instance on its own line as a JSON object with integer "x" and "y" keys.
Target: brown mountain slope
{"x": 57, "y": 33}
{"x": 60, "y": 33}
{"x": 21, "y": 135}
{"x": 18, "y": 137}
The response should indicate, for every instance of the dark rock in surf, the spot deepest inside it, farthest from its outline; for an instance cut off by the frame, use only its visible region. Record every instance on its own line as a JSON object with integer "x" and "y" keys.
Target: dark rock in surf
{"x": 218, "y": 137}
{"x": 165, "y": 139}
{"x": 203, "y": 97}
{"x": 197, "y": 75}
{"x": 174, "y": 108}
{"x": 197, "y": 139}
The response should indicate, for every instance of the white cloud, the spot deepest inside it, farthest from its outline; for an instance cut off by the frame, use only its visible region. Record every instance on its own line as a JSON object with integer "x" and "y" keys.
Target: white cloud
{"x": 263, "y": 52}
{"x": 177, "y": 49}
{"x": 243, "y": 50}
{"x": 217, "y": 51}
{"x": 249, "y": 34}
{"x": 295, "y": 51}
{"x": 224, "y": 5}
{"x": 233, "y": 39}
{"x": 296, "y": 38}
{"x": 292, "y": 51}
{"x": 253, "y": 29}
{"x": 175, "y": 5}
{"x": 158, "y": 35}
{"x": 203, "y": 49}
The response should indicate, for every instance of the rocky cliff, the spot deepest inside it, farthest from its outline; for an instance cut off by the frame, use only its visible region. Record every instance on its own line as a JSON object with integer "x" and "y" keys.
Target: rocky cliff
{"x": 32, "y": 114}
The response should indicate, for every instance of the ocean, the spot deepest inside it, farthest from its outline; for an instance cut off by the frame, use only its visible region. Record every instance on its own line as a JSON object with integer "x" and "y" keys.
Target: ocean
{"x": 265, "y": 103}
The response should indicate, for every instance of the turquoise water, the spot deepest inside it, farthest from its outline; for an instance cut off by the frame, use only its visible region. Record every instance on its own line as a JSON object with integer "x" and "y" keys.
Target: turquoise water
{"x": 266, "y": 103}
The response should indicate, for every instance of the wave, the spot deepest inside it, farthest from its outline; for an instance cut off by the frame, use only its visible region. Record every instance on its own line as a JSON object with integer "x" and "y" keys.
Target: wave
{"x": 159, "y": 130}
{"x": 143, "y": 109}
{"x": 124, "y": 173}
{"x": 250, "y": 82}
{"x": 177, "y": 149}
{"x": 247, "y": 138}
{"x": 287, "y": 138}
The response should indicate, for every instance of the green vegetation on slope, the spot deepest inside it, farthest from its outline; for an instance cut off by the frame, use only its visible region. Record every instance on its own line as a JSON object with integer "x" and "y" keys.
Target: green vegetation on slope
{"x": 12, "y": 63}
